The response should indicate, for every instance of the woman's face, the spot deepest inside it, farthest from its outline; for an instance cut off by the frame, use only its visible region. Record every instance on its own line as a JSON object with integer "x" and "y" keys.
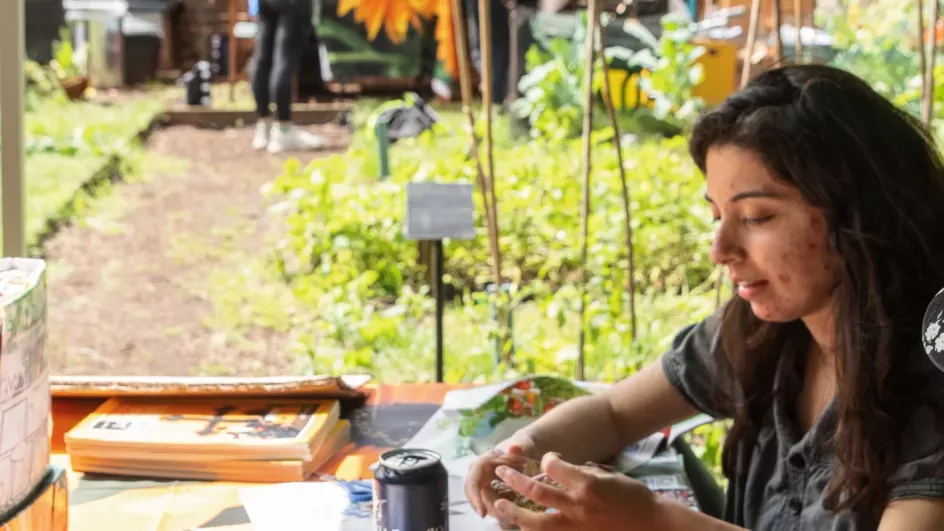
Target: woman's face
{"x": 773, "y": 243}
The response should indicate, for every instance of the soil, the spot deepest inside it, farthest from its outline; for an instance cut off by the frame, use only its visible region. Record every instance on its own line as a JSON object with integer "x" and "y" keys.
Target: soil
{"x": 125, "y": 296}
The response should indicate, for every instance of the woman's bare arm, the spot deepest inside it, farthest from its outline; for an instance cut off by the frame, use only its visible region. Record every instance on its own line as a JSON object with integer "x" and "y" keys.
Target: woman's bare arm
{"x": 595, "y": 428}
{"x": 591, "y": 428}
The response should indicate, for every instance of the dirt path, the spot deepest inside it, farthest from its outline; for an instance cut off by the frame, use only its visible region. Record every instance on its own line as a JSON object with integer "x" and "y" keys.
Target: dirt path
{"x": 129, "y": 286}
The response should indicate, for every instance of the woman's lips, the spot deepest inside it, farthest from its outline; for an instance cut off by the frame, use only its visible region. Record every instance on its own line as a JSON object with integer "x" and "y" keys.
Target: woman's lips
{"x": 751, "y": 289}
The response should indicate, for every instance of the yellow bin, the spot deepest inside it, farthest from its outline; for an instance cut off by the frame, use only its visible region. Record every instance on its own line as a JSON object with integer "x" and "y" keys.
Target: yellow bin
{"x": 720, "y": 65}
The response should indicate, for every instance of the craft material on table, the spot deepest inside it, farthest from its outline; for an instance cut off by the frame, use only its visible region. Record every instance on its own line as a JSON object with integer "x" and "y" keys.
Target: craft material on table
{"x": 473, "y": 421}
{"x": 13, "y": 283}
{"x": 24, "y": 380}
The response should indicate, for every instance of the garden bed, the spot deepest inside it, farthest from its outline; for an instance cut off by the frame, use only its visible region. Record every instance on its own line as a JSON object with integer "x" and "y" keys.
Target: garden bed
{"x": 222, "y": 118}
{"x": 73, "y": 149}
{"x": 359, "y": 286}
{"x": 150, "y": 278}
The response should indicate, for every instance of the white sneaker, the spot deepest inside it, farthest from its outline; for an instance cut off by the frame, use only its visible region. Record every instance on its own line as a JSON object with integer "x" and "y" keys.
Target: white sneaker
{"x": 261, "y": 139}
{"x": 293, "y": 140}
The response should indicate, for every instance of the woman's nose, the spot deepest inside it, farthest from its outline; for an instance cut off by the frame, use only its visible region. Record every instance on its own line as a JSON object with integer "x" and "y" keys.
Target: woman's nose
{"x": 725, "y": 247}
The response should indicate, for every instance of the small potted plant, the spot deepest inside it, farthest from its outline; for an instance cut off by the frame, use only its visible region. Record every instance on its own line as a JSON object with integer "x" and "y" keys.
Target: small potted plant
{"x": 69, "y": 66}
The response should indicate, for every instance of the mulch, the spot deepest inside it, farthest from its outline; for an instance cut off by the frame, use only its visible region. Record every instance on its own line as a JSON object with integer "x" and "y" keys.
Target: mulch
{"x": 128, "y": 301}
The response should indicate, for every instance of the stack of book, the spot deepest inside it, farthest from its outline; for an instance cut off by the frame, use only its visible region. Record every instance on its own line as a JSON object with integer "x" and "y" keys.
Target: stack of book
{"x": 244, "y": 439}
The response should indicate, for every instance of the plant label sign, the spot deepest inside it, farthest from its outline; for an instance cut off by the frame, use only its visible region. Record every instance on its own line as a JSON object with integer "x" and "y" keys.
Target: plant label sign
{"x": 437, "y": 211}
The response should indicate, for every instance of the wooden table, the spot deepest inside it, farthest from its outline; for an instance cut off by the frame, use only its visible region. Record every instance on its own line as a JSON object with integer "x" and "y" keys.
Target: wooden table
{"x": 390, "y": 415}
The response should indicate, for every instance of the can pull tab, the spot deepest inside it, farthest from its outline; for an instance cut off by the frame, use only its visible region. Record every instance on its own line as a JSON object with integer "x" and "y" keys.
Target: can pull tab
{"x": 408, "y": 460}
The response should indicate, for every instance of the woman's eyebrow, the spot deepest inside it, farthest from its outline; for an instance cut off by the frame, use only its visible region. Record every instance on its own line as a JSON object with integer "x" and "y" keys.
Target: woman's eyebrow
{"x": 749, "y": 195}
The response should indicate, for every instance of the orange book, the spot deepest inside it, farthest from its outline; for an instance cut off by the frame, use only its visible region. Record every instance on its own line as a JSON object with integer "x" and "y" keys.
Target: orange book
{"x": 249, "y": 471}
{"x": 206, "y": 428}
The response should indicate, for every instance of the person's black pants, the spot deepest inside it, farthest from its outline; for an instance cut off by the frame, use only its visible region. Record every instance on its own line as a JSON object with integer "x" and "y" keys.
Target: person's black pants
{"x": 283, "y": 34}
{"x": 500, "y": 44}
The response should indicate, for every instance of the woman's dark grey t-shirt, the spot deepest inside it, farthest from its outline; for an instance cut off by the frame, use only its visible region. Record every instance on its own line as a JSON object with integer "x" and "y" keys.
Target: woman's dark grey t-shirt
{"x": 781, "y": 479}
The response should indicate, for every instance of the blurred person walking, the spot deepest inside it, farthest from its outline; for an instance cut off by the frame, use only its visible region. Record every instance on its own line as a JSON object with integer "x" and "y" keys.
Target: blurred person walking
{"x": 284, "y": 31}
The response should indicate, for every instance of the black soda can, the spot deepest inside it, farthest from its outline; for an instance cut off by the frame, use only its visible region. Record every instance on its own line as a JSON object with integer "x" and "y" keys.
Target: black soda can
{"x": 411, "y": 492}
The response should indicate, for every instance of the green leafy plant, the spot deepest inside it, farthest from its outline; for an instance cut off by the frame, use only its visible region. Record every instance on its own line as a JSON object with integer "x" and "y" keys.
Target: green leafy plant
{"x": 551, "y": 90}
{"x": 68, "y": 145}
{"x": 67, "y": 62}
{"x": 878, "y": 42}
{"x": 41, "y": 84}
{"x": 364, "y": 288}
{"x": 670, "y": 66}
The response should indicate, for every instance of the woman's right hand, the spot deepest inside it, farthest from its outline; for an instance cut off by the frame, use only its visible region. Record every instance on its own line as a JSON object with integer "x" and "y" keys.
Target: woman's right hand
{"x": 512, "y": 452}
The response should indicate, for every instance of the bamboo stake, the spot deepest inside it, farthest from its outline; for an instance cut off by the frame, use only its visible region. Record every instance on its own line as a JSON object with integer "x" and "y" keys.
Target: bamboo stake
{"x": 585, "y": 205}
{"x": 627, "y": 219}
{"x": 922, "y": 50}
{"x": 749, "y": 45}
{"x": 465, "y": 84}
{"x": 485, "y": 43}
{"x": 778, "y": 38}
{"x": 798, "y": 22}
{"x": 927, "y": 106}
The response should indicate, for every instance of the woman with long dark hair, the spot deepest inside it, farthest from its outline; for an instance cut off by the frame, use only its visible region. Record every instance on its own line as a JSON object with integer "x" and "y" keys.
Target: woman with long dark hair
{"x": 829, "y": 204}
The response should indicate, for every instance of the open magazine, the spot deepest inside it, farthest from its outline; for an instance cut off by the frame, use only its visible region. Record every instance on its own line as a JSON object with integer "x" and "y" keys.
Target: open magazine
{"x": 473, "y": 421}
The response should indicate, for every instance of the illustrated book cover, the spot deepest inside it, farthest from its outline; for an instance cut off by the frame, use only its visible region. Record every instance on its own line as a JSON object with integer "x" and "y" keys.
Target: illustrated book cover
{"x": 248, "y": 471}
{"x": 206, "y": 428}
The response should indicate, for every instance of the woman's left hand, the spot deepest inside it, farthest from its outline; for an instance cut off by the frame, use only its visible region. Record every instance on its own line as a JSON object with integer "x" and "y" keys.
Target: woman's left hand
{"x": 588, "y": 499}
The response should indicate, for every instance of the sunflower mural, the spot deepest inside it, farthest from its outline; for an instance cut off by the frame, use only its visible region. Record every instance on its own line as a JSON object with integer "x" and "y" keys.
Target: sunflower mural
{"x": 396, "y": 17}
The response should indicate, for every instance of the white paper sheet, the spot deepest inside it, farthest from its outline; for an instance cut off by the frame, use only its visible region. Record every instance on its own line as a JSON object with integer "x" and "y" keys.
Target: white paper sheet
{"x": 322, "y": 506}
{"x": 295, "y": 506}
{"x": 688, "y": 425}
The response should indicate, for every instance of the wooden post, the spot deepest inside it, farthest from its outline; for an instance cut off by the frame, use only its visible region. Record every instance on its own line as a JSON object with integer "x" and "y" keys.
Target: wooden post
{"x": 167, "y": 47}
{"x": 12, "y": 51}
{"x": 927, "y": 106}
{"x": 749, "y": 45}
{"x": 585, "y": 204}
{"x": 798, "y": 22}
{"x": 778, "y": 38}
{"x": 627, "y": 218}
{"x": 231, "y": 60}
